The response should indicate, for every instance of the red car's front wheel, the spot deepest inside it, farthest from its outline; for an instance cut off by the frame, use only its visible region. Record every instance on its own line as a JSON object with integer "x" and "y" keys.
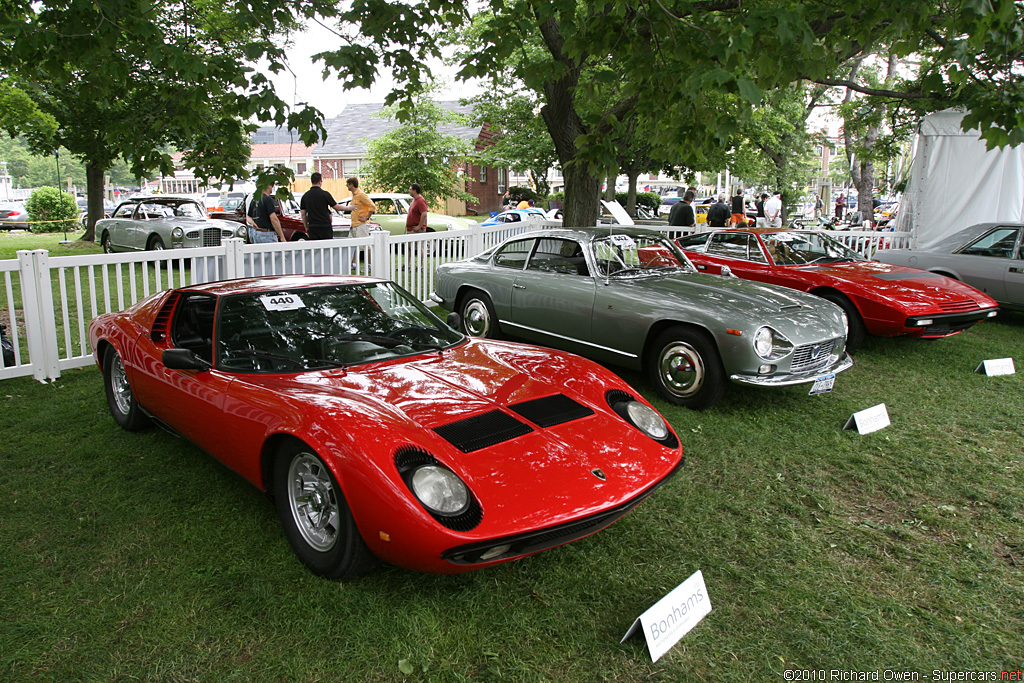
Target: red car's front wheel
{"x": 315, "y": 515}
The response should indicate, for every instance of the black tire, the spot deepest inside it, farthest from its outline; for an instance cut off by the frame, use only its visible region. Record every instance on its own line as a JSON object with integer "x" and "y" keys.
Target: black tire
{"x": 315, "y": 516}
{"x": 855, "y": 337}
{"x": 478, "y": 316}
{"x": 684, "y": 366}
{"x": 120, "y": 397}
{"x": 105, "y": 243}
{"x": 299, "y": 237}
{"x": 155, "y": 243}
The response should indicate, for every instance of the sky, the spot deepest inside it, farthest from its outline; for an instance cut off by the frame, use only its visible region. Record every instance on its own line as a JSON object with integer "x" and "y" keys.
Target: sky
{"x": 305, "y": 84}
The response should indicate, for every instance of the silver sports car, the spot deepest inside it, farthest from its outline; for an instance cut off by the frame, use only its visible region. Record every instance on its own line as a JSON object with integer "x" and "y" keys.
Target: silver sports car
{"x": 987, "y": 256}
{"x": 632, "y": 298}
{"x": 151, "y": 223}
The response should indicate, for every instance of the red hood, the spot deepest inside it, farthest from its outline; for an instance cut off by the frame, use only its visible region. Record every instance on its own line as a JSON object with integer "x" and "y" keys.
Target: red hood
{"x": 533, "y": 479}
{"x": 908, "y": 286}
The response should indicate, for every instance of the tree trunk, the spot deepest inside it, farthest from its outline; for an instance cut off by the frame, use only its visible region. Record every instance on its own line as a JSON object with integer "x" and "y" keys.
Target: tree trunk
{"x": 94, "y": 192}
{"x": 631, "y": 193}
{"x": 609, "y": 189}
{"x": 582, "y": 197}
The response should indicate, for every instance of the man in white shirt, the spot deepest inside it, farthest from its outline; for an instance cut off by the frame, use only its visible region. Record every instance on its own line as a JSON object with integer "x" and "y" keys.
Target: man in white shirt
{"x": 773, "y": 210}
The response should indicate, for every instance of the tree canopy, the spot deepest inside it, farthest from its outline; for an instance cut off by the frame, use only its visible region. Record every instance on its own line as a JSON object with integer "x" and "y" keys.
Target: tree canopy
{"x": 145, "y": 74}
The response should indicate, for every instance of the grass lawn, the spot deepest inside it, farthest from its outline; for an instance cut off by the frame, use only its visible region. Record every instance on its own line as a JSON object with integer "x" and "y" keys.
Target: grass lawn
{"x": 13, "y": 241}
{"x": 136, "y": 556}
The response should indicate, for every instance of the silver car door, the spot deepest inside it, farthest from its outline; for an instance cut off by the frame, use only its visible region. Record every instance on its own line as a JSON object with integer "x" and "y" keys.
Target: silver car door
{"x": 554, "y": 295}
{"x": 986, "y": 262}
{"x": 1015, "y": 275}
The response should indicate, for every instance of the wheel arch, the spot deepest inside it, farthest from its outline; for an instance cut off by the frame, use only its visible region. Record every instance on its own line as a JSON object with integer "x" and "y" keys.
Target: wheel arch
{"x": 660, "y": 326}
{"x": 822, "y": 291}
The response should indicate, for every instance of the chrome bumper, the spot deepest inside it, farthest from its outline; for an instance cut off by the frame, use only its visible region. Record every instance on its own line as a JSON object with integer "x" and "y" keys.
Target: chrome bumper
{"x": 844, "y": 363}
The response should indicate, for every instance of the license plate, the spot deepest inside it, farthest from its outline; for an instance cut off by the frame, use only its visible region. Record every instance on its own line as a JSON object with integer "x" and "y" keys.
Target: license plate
{"x": 823, "y": 385}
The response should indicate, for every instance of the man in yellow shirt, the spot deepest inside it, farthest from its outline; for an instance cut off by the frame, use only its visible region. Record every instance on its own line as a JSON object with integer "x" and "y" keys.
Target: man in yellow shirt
{"x": 361, "y": 208}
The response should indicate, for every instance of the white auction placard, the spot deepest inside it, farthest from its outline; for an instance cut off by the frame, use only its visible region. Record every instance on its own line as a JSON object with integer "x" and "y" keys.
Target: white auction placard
{"x": 673, "y": 616}
{"x": 996, "y": 366}
{"x": 869, "y": 420}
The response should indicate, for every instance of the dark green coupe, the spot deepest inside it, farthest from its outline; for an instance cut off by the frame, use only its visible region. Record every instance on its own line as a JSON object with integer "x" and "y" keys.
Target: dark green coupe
{"x": 632, "y": 298}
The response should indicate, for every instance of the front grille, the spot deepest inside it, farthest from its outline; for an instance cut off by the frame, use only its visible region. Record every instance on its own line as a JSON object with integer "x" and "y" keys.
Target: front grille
{"x": 957, "y": 306}
{"x": 812, "y": 357}
{"x": 211, "y": 237}
{"x": 945, "y": 329}
{"x": 551, "y": 410}
{"x": 481, "y": 431}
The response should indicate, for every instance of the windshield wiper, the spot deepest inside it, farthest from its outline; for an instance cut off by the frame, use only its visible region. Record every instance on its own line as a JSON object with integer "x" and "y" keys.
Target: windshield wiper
{"x": 300, "y": 363}
{"x": 391, "y": 341}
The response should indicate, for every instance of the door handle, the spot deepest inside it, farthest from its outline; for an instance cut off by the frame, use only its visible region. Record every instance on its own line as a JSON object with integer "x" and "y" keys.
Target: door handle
{"x": 518, "y": 287}
{"x": 701, "y": 266}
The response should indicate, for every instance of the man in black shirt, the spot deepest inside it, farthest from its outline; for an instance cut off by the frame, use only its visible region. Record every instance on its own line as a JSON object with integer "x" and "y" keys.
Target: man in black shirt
{"x": 316, "y": 205}
{"x": 682, "y": 212}
{"x": 719, "y": 214}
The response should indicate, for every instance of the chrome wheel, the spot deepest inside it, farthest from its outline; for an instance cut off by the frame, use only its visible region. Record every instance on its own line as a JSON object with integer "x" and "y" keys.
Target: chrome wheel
{"x": 313, "y": 503}
{"x": 681, "y": 369}
{"x": 478, "y": 316}
{"x": 122, "y": 392}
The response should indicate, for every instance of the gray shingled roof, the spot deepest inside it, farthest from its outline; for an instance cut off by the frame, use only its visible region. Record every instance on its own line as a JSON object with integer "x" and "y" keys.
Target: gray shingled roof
{"x": 348, "y": 133}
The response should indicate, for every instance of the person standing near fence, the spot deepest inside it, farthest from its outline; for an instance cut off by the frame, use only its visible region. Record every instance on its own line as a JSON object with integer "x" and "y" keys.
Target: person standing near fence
{"x": 681, "y": 213}
{"x": 316, "y": 206}
{"x": 264, "y": 225}
{"x": 416, "y": 219}
{"x": 773, "y": 210}
{"x": 361, "y": 208}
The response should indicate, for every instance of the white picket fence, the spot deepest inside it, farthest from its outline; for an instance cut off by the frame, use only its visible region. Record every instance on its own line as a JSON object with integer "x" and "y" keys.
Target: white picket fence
{"x": 49, "y": 300}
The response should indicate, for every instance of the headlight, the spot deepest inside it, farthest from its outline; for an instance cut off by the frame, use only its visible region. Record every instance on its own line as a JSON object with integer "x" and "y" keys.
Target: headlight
{"x": 177, "y": 234}
{"x": 646, "y": 420}
{"x": 242, "y": 231}
{"x": 770, "y": 344}
{"x": 440, "y": 489}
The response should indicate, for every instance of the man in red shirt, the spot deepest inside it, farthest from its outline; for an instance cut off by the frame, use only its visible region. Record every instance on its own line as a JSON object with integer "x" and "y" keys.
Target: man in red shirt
{"x": 416, "y": 219}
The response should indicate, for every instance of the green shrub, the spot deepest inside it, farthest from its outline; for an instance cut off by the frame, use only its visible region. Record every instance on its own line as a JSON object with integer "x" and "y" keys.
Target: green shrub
{"x": 49, "y": 204}
{"x": 652, "y": 200}
{"x": 519, "y": 193}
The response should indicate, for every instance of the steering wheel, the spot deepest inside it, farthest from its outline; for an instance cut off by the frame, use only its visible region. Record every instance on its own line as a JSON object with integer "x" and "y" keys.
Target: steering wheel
{"x": 413, "y": 331}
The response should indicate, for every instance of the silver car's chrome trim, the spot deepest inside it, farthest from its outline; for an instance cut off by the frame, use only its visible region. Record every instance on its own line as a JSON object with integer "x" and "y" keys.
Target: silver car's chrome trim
{"x": 505, "y": 323}
{"x": 844, "y": 363}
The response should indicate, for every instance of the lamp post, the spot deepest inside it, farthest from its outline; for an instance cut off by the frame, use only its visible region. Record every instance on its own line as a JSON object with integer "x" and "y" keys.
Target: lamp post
{"x": 56, "y": 156}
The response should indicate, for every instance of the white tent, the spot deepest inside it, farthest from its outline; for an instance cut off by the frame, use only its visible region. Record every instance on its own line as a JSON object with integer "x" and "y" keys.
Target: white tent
{"x": 955, "y": 182}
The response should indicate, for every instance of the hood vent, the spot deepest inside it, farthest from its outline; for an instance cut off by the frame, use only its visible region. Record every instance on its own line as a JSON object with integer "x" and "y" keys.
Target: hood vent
{"x": 163, "y": 318}
{"x": 551, "y": 410}
{"x": 481, "y": 431}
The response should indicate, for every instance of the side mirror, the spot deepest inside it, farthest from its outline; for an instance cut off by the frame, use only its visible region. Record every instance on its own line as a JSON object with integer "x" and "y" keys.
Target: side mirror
{"x": 727, "y": 271}
{"x": 184, "y": 359}
{"x": 454, "y": 321}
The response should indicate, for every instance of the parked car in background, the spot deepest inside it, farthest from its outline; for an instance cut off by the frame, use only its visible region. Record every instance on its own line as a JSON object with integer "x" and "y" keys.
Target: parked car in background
{"x": 632, "y": 298}
{"x": 380, "y": 432}
{"x": 517, "y": 216}
{"x": 878, "y": 298}
{"x": 13, "y": 216}
{"x": 988, "y": 256}
{"x": 83, "y": 208}
{"x": 392, "y": 208}
{"x": 162, "y": 222}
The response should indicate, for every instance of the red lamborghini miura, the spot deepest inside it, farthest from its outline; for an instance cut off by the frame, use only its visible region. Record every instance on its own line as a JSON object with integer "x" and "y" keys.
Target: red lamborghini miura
{"x": 379, "y": 431}
{"x": 877, "y": 298}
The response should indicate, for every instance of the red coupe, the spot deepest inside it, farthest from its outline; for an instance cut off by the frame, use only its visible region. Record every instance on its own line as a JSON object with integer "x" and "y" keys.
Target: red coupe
{"x": 378, "y": 430}
{"x": 878, "y": 298}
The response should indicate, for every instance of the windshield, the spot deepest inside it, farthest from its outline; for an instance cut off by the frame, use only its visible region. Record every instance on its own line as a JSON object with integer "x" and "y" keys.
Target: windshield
{"x": 320, "y": 327}
{"x": 805, "y": 248}
{"x": 638, "y": 255}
